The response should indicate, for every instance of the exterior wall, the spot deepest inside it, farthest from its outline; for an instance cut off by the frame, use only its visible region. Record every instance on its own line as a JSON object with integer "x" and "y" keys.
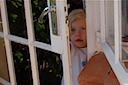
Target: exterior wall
{"x": 3, "y": 62}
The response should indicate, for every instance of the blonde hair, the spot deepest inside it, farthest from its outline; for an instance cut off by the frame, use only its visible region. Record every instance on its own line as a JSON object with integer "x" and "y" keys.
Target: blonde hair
{"x": 76, "y": 14}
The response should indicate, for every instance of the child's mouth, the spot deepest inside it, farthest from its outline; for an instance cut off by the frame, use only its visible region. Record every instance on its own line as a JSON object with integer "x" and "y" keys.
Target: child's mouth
{"x": 79, "y": 40}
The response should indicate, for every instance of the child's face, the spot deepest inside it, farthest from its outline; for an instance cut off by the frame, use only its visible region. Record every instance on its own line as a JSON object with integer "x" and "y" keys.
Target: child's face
{"x": 78, "y": 33}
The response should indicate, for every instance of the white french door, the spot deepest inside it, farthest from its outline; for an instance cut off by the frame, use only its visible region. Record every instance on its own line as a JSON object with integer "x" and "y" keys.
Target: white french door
{"x": 59, "y": 38}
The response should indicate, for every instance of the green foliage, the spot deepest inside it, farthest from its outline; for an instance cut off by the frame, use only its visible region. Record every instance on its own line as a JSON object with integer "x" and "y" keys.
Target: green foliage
{"x": 16, "y": 3}
{"x": 35, "y": 3}
{"x": 14, "y": 17}
{"x": 39, "y": 27}
{"x": 41, "y": 30}
{"x": 52, "y": 2}
{"x": 19, "y": 56}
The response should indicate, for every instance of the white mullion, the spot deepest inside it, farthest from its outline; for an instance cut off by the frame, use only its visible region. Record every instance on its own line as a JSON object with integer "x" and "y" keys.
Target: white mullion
{"x": 90, "y": 29}
{"x": 116, "y": 31}
{"x": 32, "y": 50}
{"x": 41, "y": 45}
{"x": 102, "y": 20}
{"x": 120, "y": 29}
{"x": 17, "y": 39}
{"x": 8, "y": 43}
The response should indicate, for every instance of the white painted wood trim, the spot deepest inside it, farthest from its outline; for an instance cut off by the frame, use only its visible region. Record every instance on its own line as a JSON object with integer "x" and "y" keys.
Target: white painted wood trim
{"x": 91, "y": 45}
{"x": 41, "y": 45}
{"x": 120, "y": 30}
{"x": 7, "y": 42}
{"x": 32, "y": 50}
{"x": 24, "y": 41}
{"x": 56, "y": 45}
{"x": 102, "y": 20}
{"x": 17, "y": 39}
{"x": 64, "y": 32}
{"x": 116, "y": 31}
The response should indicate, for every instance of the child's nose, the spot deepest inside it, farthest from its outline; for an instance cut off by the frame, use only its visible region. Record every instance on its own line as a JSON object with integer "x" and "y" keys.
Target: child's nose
{"x": 78, "y": 32}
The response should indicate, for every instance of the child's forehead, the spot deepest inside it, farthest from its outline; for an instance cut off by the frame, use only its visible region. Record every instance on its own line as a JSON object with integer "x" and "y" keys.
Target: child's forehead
{"x": 80, "y": 22}
{"x": 78, "y": 19}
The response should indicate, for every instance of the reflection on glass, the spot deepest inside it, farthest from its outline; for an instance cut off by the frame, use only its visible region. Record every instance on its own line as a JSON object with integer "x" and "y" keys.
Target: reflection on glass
{"x": 50, "y": 67}
{"x": 22, "y": 64}
{"x": 16, "y": 17}
{"x": 42, "y": 32}
{"x": 3, "y": 62}
{"x": 125, "y": 33}
{"x": 109, "y": 23}
{"x": 1, "y": 29}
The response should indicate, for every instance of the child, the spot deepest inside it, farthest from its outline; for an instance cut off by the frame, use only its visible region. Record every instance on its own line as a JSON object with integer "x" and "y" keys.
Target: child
{"x": 77, "y": 28}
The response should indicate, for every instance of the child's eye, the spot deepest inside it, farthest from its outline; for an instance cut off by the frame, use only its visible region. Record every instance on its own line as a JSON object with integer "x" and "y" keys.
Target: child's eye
{"x": 83, "y": 28}
{"x": 73, "y": 30}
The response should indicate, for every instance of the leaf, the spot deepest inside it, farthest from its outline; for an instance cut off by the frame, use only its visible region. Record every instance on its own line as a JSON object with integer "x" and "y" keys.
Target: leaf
{"x": 14, "y": 4}
{"x": 18, "y": 54}
{"x": 14, "y": 16}
{"x": 39, "y": 26}
{"x": 20, "y": 4}
{"x": 20, "y": 0}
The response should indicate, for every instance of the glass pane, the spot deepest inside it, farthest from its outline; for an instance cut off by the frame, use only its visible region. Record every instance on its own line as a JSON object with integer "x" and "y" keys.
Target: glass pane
{"x": 50, "y": 67}
{"x": 109, "y": 23}
{"x": 125, "y": 33}
{"x": 16, "y": 17}
{"x": 3, "y": 62}
{"x": 22, "y": 64}
{"x": 1, "y": 29}
{"x": 42, "y": 32}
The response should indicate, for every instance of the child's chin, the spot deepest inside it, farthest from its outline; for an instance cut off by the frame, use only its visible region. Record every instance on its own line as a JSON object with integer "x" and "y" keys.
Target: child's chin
{"x": 80, "y": 46}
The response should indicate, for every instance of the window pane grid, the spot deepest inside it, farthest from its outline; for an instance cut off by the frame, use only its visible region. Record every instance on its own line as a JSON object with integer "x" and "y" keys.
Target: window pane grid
{"x": 31, "y": 43}
{"x": 7, "y": 42}
{"x": 17, "y": 39}
{"x": 16, "y": 17}
{"x": 32, "y": 50}
{"x": 117, "y": 31}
